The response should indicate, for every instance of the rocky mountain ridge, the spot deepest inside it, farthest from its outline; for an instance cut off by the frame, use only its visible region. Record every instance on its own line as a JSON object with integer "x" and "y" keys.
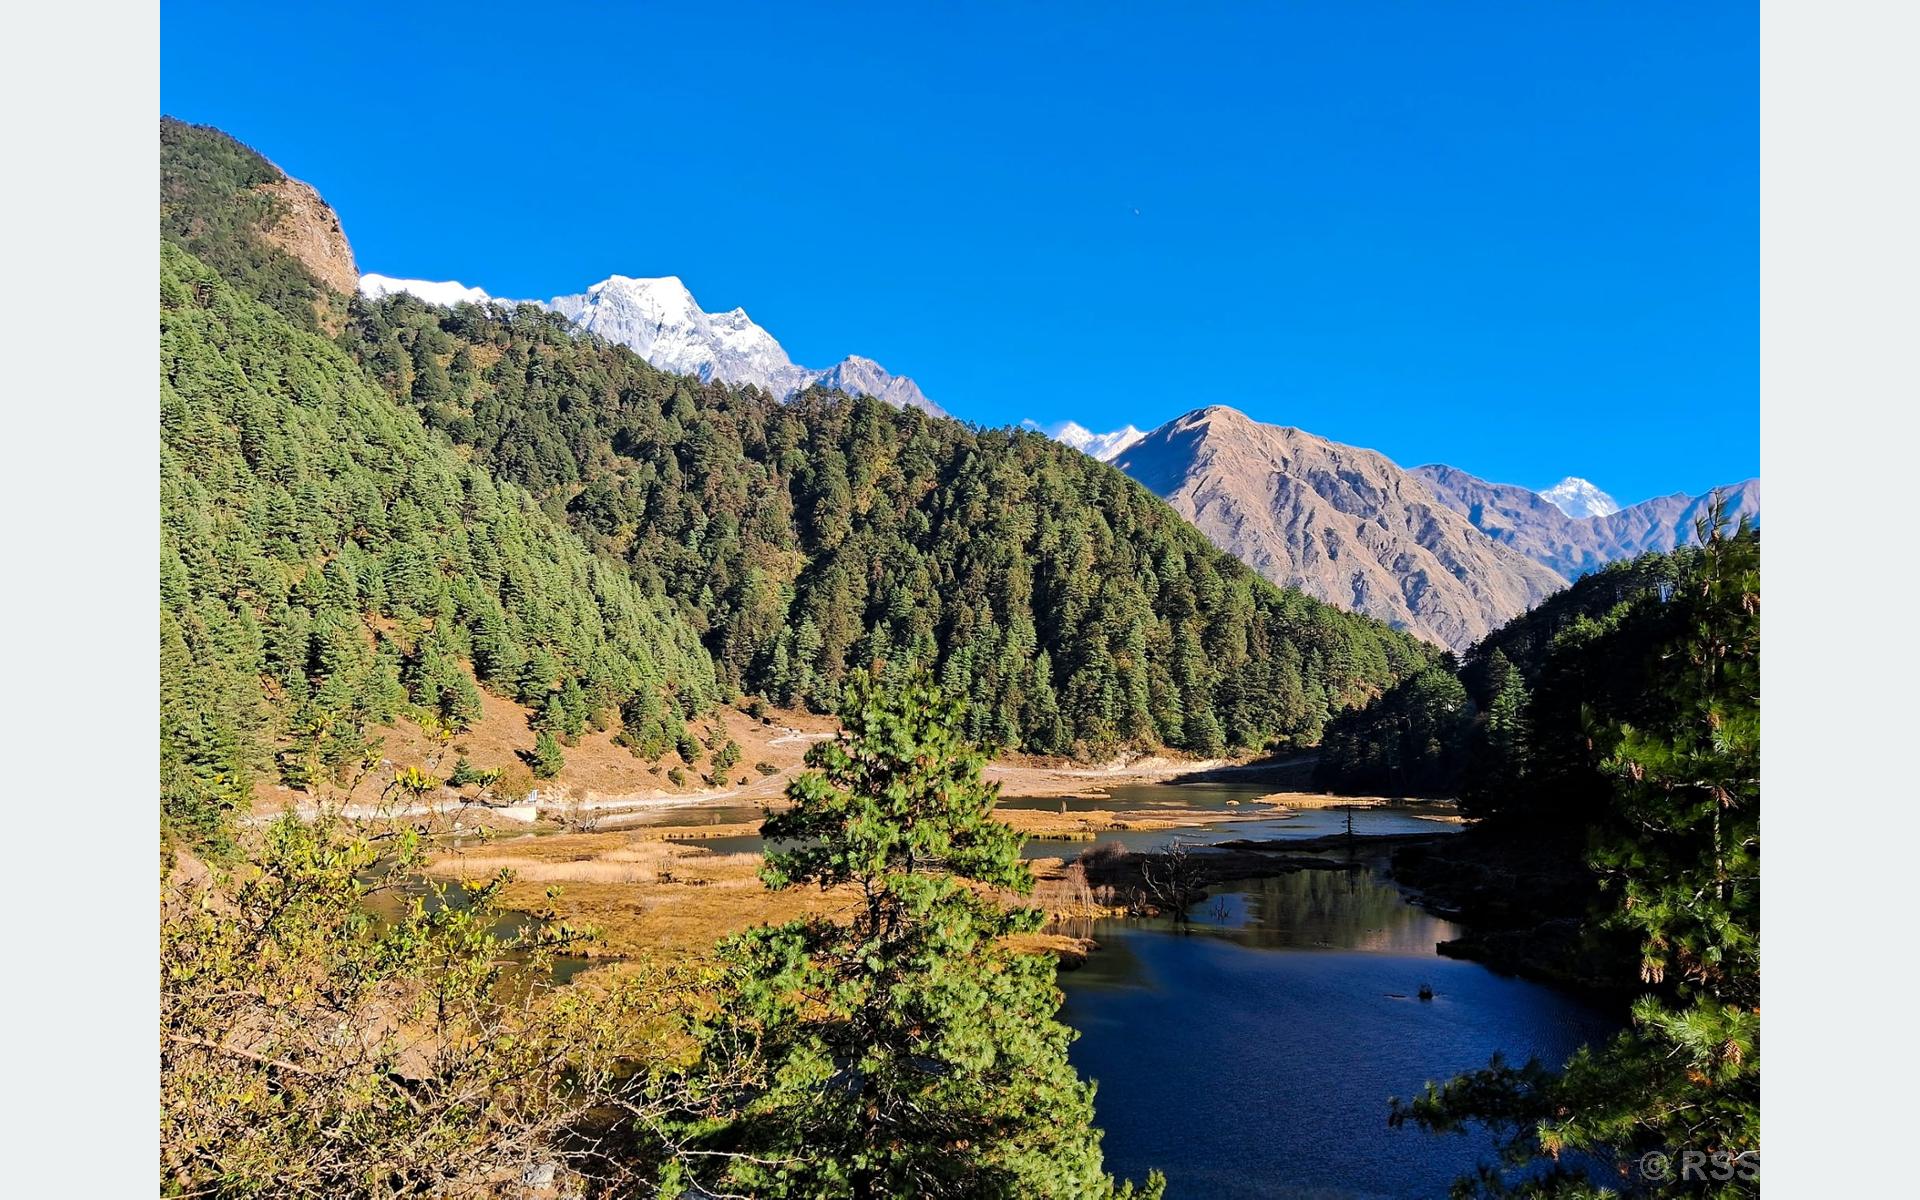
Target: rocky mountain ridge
{"x": 1530, "y": 523}
{"x": 1340, "y": 523}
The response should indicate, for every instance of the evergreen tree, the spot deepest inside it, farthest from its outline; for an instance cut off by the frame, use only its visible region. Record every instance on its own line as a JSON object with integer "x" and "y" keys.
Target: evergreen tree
{"x": 908, "y": 1051}
{"x": 1497, "y": 764}
{"x": 1412, "y": 739}
{"x": 546, "y": 759}
{"x": 813, "y": 537}
{"x": 552, "y": 717}
{"x": 409, "y": 560}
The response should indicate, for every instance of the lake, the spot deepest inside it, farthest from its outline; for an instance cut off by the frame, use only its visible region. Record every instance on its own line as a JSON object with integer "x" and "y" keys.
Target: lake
{"x": 1254, "y": 1056}
{"x": 1253, "y": 1053}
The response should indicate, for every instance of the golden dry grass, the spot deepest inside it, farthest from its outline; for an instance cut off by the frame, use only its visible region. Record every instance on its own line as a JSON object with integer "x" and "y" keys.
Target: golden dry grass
{"x": 648, "y": 897}
{"x": 643, "y": 895}
{"x": 1088, "y": 826}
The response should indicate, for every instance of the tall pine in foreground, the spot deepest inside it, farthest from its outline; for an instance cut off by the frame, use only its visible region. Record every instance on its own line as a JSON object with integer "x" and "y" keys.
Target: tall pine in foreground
{"x": 905, "y": 1051}
{"x": 1679, "y": 850}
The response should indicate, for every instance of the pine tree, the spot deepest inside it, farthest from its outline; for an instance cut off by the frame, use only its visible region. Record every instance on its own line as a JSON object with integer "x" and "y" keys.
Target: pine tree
{"x": 546, "y": 759}
{"x": 552, "y": 717}
{"x": 908, "y": 1051}
{"x": 1498, "y": 762}
{"x": 460, "y": 702}
{"x": 574, "y": 708}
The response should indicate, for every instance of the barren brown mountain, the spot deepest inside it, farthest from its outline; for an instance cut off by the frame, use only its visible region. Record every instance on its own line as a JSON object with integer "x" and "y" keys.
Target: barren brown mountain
{"x": 1342, "y": 524}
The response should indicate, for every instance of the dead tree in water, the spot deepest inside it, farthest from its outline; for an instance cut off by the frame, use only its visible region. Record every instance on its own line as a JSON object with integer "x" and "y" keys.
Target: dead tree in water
{"x": 1173, "y": 879}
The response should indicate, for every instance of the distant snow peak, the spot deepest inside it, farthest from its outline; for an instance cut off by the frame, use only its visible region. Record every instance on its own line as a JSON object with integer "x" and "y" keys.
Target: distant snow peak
{"x": 1104, "y": 446}
{"x": 859, "y": 376}
{"x": 450, "y": 293}
{"x": 659, "y": 320}
{"x": 1578, "y": 498}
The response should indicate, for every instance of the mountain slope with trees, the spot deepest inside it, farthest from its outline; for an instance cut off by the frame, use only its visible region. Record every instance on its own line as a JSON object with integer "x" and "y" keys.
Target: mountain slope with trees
{"x": 1508, "y": 734}
{"x": 1654, "y": 707}
{"x": 1073, "y": 610}
{"x": 327, "y": 563}
{"x": 346, "y": 531}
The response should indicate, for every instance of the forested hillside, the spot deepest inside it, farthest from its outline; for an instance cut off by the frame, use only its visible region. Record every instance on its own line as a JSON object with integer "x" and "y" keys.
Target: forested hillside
{"x": 231, "y": 208}
{"x": 331, "y": 555}
{"x": 326, "y": 561}
{"x": 1512, "y": 730}
{"x": 1075, "y": 611}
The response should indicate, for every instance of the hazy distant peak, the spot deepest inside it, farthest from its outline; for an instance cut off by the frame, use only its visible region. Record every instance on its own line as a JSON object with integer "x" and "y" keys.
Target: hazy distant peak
{"x": 1570, "y": 543}
{"x": 1577, "y": 498}
{"x": 858, "y": 376}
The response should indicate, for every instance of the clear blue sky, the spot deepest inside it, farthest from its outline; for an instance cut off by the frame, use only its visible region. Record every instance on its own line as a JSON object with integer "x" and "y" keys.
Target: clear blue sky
{"x": 1520, "y": 238}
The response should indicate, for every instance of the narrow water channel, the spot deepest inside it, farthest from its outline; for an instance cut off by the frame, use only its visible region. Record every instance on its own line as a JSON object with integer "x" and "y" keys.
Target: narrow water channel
{"x": 1212, "y": 798}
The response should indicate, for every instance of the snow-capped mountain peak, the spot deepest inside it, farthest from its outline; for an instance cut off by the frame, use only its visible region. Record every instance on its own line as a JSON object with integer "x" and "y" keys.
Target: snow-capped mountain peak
{"x": 659, "y": 319}
{"x": 450, "y": 293}
{"x": 858, "y": 376}
{"x": 1578, "y": 498}
{"x": 1103, "y": 446}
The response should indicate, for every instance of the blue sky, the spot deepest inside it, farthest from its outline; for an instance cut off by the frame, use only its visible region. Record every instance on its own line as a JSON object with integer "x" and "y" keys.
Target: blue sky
{"x": 1518, "y": 238}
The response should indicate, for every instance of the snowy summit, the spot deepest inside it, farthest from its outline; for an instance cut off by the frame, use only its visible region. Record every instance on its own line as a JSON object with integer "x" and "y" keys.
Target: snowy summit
{"x": 659, "y": 320}
{"x": 1578, "y": 498}
{"x": 1103, "y": 446}
{"x": 379, "y": 287}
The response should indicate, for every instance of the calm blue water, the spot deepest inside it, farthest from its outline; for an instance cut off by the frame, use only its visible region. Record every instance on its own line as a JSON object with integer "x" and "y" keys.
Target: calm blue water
{"x": 1255, "y": 1057}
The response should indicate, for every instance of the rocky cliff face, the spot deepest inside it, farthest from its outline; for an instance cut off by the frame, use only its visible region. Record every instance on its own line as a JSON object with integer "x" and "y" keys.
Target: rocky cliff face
{"x": 1527, "y": 522}
{"x": 1342, "y": 524}
{"x": 308, "y": 230}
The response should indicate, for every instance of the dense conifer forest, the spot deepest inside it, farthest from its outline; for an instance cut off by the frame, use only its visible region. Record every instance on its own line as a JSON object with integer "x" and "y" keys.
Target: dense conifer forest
{"x": 1623, "y": 735}
{"x": 327, "y": 563}
{"x": 346, "y": 525}
{"x": 1505, "y": 728}
{"x": 1073, "y": 609}
{"x": 372, "y": 510}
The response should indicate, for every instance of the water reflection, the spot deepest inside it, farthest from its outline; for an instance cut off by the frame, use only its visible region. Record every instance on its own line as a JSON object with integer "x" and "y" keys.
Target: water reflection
{"x": 1252, "y": 1053}
{"x": 1352, "y": 910}
{"x": 390, "y": 904}
{"x": 1202, "y": 797}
